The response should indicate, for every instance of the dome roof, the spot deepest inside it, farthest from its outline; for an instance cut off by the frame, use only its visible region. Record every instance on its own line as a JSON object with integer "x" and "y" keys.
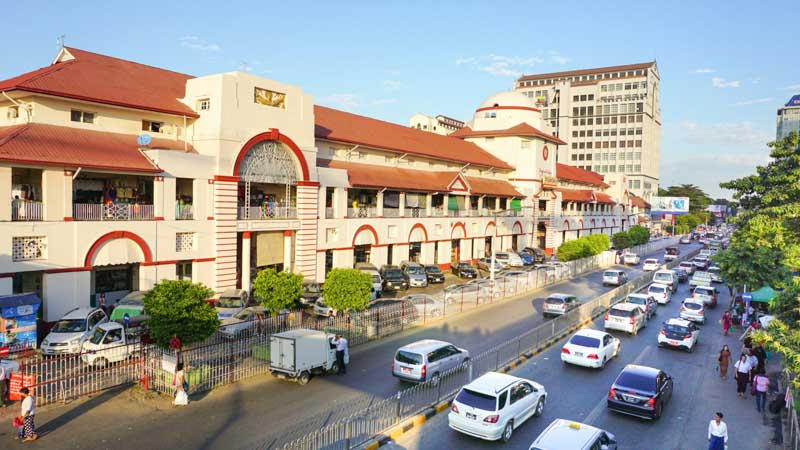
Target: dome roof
{"x": 510, "y": 98}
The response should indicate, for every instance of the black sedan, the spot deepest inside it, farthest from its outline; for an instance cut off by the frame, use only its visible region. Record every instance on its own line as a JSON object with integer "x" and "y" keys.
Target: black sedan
{"x": 463, "y": 270}
{"x": 683, "y": 275}
{"x": 434, "y": 273}
{"x": 640, "y": 391}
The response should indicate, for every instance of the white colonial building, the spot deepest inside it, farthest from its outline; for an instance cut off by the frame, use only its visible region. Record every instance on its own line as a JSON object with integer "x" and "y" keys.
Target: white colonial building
{"x": 118, "y": 175}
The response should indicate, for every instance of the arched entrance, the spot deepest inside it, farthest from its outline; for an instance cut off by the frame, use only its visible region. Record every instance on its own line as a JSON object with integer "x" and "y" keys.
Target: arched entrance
{"x": 363, "y": 240}
{"x": 541, "y": 235}
{"x": 458, "y": 233}
{"x": 416, "y": 237}
{"x": 114, "y": 259}
{"x": 267, "y": 181}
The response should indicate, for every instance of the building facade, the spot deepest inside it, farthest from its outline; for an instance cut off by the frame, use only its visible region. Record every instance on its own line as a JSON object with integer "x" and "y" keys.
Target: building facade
{"x": 440, "y": 124}
{"x": 789, "y": 117}
{"x": 118, "y": 175}
{"x": 609, "y": 117}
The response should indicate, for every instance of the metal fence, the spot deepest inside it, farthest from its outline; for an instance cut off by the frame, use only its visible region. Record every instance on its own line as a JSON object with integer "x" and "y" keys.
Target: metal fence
{"x": 356, "y": 429}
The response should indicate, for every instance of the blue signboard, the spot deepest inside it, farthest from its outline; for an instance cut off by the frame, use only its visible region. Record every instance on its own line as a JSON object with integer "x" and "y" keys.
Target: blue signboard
{"x": 794, "y": 101}
{"x": 18, "y": 321}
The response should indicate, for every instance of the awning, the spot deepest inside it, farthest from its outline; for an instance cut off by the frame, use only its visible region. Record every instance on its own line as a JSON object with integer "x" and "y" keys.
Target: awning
{"x": 764, "y": 295}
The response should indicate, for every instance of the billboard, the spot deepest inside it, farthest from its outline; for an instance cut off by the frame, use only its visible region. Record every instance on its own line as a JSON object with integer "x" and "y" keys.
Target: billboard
{"x": 669, "y": 205}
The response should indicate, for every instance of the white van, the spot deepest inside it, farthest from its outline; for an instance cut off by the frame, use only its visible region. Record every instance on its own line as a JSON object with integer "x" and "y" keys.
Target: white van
{"x": 509, "y": 259}
{"x": 667, "y": 277}
{"x": 377, "y": 280}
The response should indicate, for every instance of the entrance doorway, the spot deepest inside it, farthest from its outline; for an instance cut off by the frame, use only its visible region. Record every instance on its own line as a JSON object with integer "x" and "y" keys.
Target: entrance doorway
{"x": 114, "y": 282}
{"x": 414, "y": 251}
{"x": 328, "y": 261}
{"x": 455, "y": 250}
{"x": 361, "y": 253}
{"x": 514, "y": 242}
{"x": 436, "y": 252}
{"x": 389, "y": 254}
{"x": 487, "y": 247}
{"x": 541, "y": 235}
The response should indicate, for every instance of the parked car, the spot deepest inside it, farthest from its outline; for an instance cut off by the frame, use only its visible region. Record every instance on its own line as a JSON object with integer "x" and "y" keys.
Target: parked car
{"x": 492, "y": 406}
{"x": 458, "y": 293}
{"x": 693, "y": 310}
{"x": 486, "y": 264}
{"x": 311, "y": 293}
{"x": 706, "y": 253}
{"x": 707, "y": 294}
{"x": 651, "y": 264}
{"x": 716, "y": 274}
{"x": 426, "y": 359}
{"x": 377, "y": 280}
{"x": 685, "y": 240}
{"x": 640, "y": 391}
{"x": 660, "y": 292}
{"x": 646, "y": 302}
{"x": 230, "y": 302}
{"x": 631, "y": 259}
{"x": 323, "y": 310}
{"x": 671, "y": 253}
{"x": 414, "y": 274}
{"x": 625, "y": 317}
{"x": 683, "y": 275}
{"x": 298, "y": 354}
{"x": 426, "y": 305}
{"x": 700, "y": 278}
{"x": 538, "y": 254}
{"x": 688, "y": 266}
{"x": 109, "y": 344}
{"x": 463, "y": 270}
{"x": 590, "y": 348}
{"x": 510, "y": 259}
{"x": 434, "y": 274}
{"x": 71, "y": 331}
{"x": 559, "y": 304}
{"x": 131, "y": 307}
{"x": 679, "y": 333}
{"x": 244, "y": 321}
{"x": 393, "y": 278}
{"x": 527, "y": 258}
{"x": 667, "y": 277}
{"x": 568, "y": 435}
{"x": 614, "y": 277}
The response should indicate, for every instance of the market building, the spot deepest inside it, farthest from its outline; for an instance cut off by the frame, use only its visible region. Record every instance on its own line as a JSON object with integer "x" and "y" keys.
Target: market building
{"x": 118, "y": 175}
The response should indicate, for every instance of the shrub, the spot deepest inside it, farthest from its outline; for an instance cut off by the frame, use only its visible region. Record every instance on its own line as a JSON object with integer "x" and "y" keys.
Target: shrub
{"x": 347, "y": 289}
{"x": 639, "y": 235}
{"x": 622, "y": 240}
{"x": 180, "y": 308}
{"x": 277, "y": 290}
{"x": 583, "y": 247}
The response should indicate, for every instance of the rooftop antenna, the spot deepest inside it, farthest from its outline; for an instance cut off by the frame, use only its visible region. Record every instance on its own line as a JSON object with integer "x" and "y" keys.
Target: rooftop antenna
{"x": 60, "y": 40}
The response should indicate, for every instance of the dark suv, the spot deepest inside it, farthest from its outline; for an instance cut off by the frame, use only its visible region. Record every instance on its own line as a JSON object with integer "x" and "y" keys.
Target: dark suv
{"x": 536, "y": 253}
{"x": 434, "y": 273}
{"x": 463, "y": 270}
{"x": 640, "y": 391}
{"x": 393, "y": 278}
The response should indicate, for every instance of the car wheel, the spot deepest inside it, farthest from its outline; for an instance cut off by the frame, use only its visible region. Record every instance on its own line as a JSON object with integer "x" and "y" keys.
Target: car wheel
{"x": 690, "y": 349}
{"x": 334, "y": 370}
{"x": 603, "y": 365}
{"x": 634, "y": 332}
{"x": 658, "y": 411}
{"x": 539, "y": 408}
{"x": 508, "y": 431}
{"x": 303, "y": 378}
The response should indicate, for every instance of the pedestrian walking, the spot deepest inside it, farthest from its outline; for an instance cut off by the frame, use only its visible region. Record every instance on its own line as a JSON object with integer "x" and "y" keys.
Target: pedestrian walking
{"x": 717, "y": 433}
{"x": 761, "y": 357}
{"x": 724, "y": 359}
{"x": 752, "y": 360}
{"x": 761, "y": 382}
{"x": 726, "y": 322}
{"x": 27, "y": 412}
{"x": 742, "y": 374}
{"x": 181, "y": 386}
{"x": 341, "y": 351}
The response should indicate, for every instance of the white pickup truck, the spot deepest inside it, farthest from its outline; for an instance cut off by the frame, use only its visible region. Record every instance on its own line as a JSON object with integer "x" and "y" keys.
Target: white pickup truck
{"x": 109, "y": 344}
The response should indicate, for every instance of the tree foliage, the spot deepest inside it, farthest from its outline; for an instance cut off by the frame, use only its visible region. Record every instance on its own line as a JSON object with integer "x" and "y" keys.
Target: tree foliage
{"x": 622, "y": 240}
{"x": 180, "y": 308}
{"x": 583, "y": 247}
{"x": 277, "y": 290}
{"x": 639, "y": 234}
{"x": 347, "y": 289}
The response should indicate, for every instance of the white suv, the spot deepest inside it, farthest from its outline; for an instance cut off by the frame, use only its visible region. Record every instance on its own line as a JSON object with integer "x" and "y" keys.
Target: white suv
{"x": 651, "y": 264}
{"x": 68, "y": 334}
{"x": 660, "y": 292}
{"x": 626, "y": 317}
{"x": 492, "y": 406}
{"x": 679, "y": 333}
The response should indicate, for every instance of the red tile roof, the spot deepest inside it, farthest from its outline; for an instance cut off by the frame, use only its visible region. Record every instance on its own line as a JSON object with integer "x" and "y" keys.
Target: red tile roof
{"x": 522, "y": 129}
{"x": 578, "y": 175}
{"x": 584, "y": 195}
{"x": 639, "y": 202}
{"x": 374, "y": 176}
{"x": 570, "y": 73}
{"x": 340, "y": 126}
{"x": 52, "y": 145}
{"x": 104, "y": 79}
{"x": 602, "y": 197}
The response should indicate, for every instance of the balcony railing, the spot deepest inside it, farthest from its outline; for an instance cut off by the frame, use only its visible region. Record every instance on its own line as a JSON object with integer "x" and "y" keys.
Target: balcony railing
{"x": 391, "y": 212}
{"x": 111, "y": 211}
{"x": 184, "y": 212}
{"x": 438, "y": 212}
{"x": 26, "y": 210}
{"x": 329, "y": 213}
{"x": 361, "y": 212}
{"x": 267, "y": 213}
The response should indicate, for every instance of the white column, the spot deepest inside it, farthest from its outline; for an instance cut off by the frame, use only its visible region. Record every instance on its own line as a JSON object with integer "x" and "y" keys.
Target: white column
{"x": 246, "y": 261}
{"x": 158, "y": 198}
{"x": 287, "y": 251}
{"x": 170, "y": 201}
{"x": 428, "y": 205}
{"x": 497, "y": 203}
{"x": 57, "y": 203}
{"x": 467, "y": 204}
{"x": 480, "y": 204}
{"x": 402, "y": 210}
{"x": 5, "y": 195}
{"x": 380, "y": 204}
{"x": 200, "y": 199}
{"x": 446, "y": 206}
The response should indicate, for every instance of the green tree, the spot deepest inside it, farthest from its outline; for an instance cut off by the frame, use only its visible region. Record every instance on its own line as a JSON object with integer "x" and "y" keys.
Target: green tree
{"x": 180, "y": 308}
{"x": 277, "y": 290}
{"x": 583, "y": 247}
{"x": 786, "y": 306}
{"x": 622, "y": 240}
{"x": 639, "y": 235}
{"x": 347, "y": 289}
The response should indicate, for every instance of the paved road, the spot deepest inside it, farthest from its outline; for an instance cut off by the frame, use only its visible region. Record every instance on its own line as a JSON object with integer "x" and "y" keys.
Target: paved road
{"x": 262, "y": 412}
{"x": 579, "y": 394}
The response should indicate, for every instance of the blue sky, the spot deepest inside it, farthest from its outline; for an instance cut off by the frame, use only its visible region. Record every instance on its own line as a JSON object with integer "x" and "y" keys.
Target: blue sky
{"x": 725, "y": 66}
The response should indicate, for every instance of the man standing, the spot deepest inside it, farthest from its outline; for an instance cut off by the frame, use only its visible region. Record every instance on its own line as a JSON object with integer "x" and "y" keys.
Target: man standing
{"x": 717, "y": 433}
{"x": 341, "y": 351}
{"x": 27, "y": 412}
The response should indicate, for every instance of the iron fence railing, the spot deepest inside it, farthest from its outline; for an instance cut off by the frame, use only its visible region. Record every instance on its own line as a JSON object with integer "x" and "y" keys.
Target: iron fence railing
{"x": 26, "y": 210}
{"x": 112, "y": 211}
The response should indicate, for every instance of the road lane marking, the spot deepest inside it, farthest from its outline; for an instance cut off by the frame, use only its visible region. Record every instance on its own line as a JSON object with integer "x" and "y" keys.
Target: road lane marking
{"x": 601, "y": 405}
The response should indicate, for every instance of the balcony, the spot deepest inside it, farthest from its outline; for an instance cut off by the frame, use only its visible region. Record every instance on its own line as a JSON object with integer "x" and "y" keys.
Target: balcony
{"x": 26, "y": 210}
{"x": 267, "y": 213}
{"x": 184, "y": 212}
{"x": 362, "y": 212}
{"x": 111, "y": 212}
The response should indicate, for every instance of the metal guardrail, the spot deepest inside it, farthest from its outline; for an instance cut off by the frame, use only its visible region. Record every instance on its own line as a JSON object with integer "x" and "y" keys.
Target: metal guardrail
{"x": 355, "y": 430}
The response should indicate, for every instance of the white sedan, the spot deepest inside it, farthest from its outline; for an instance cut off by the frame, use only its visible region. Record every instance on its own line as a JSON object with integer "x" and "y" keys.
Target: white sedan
{"x": 651, "y": 264}
{"x": 425, "y": 305}
{"x": 243, "y": 321}
{"x": 590, "y": 348}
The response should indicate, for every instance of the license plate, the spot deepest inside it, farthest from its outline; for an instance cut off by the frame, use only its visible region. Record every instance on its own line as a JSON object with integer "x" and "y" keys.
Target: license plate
{"x": 471, "y": 416}
{"x": 674, "y": 343}
{"x": 405, "y": 369}
{"x": 629, "y": 399}
{"x": 579, "y": 355}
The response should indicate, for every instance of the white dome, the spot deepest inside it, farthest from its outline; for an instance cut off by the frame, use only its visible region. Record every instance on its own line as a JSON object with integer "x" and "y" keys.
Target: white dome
{"x": 510, "y": 98}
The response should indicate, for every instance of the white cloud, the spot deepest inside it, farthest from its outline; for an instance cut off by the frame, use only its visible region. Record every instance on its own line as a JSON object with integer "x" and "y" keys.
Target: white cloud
{"x": 461, "y": 61}
{"x": 718, "y": 82}
{"x": 754, "y": 102}
{"x": 502, "y": 65}
{"x": 244, "y": 67}
{"x": 500, "y": 69}
{"x": 704, "y": 70}
{"x": 756, "y": 80}
{"x": 344, "y": 101}
{"x": 196, "y": 43}
{"x": 383, "y": 101}
{"x": 792, "y": 87}
{"x": 392, "y": 85}
{"x": 730, "y": 134}
{"x": 559, "y": 59}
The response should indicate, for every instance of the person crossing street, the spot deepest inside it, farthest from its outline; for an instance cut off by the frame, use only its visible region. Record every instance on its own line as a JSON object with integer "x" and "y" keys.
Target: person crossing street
{"x": 717, "y": 433}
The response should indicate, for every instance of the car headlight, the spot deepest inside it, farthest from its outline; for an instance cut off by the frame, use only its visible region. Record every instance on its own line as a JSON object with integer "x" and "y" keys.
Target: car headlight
{"x": 45, "y": 342}
{"x": 75, "y": 341}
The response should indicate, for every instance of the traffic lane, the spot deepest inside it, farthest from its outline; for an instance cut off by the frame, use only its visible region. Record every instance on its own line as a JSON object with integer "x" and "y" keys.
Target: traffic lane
{"x": 369, "y": 376}
{"x": 580, "y": 394}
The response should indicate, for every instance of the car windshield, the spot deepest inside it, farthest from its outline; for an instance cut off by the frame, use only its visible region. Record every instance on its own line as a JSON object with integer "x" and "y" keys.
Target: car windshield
{"x": 619, "y": 312}
{"x": 637, "y": 300}
{"x": 656, "y": 289}
{"x": 672, "y": 251}
{"x": 477, "y": 400}
{"x": 408, "y": 357}
{"x": 651, "y": 261}
{"x": 376, "y": 279}
{"x": 678, "y": 329}
{"x": 585, "y": 341}
{"x": 704, "y": 291}
{"x": 714, "y": 270}
{"x": 243, "y": 314}
{"x": 229, "y": 302}
{"x": 432, "y": 269}
{"x": 685, "y": 264}
{"x": 640, "y": 382}
{"x": 663, "y": 277}
{"x": 422, "y": 300}
{"x": 554, "y": 301}
{"x": 393, "y": 273}
{"x": 414, "y": 270}
{"x": 611, "y": 274}
{"x": 97, "y": 337}
{"x": 313, "y": 288}
{"x": 693, "y": 306}
{"x": 69, "y": 326}
{"x": 464, "y": 266}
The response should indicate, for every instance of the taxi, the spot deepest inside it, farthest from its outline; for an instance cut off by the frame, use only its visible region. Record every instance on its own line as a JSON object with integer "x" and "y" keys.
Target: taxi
{"x": 564, "y": 434}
